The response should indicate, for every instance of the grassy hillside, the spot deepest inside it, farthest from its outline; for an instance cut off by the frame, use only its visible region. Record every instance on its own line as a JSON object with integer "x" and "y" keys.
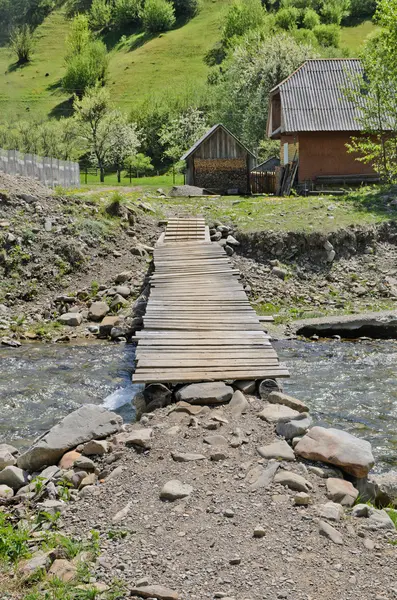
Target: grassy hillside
{"x": 140, "y": 67}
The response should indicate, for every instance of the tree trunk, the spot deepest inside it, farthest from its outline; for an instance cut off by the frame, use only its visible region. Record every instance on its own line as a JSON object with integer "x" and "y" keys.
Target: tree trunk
{"x": 102, "y": 174}
{"x": 118, "y": 176}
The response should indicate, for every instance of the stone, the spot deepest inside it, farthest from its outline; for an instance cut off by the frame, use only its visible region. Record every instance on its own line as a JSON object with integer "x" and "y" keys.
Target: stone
{"x": 6, "y": 492}
{"x": 267, "y": 386}
{"x": 83, "y": 463}
{"x": 63, "y": 569}
{"x": 342, "y": 491}
{"x": 13, "y": 477}
{"x": 175, "y": 489}
{"x": 117, "y": 302}
{"x": 52, "y": 506}
{"x": 247, "y": 386}
{"x": 295, "y": 427}
{"x": 6, "y": 341}
{"x": 205, "y": 393}
{"x": 259, "y": 531}
{"x": 338, "y": 448}
{"x": 232, "y": 241}
{"x": 71, "y": 319}
{"x": 68, "y": 459}
{"x": 236, "y": 560}
{"x": 121, "y": 514}
{"x": 380, "y": 489}
{"x": 96, "y": 448}
{"x": 36, "y": 565}
{"x": 98, "y": 310}
{"x": 123, "y": 277}
{"x": 156, "y": 396}
{"x": 368, "y": 544}
{"x": 361, "y": 510}
{"x": 190, "y": 409}
{"x": 378, "y": 520}
{"x": 123, "y": 290}
{"x": 279, "y": 450}
{"x": 141, "y": 438}
{"x": 325, "y": 472}
{"x": 107, "y": 324}
{"x": 330, "y": 511}
{"x": 238, "y": 404}
{"x": 88, "y": 422}
{"x": 330, "y": 533}
{"x": 219, "y": 455}
{"x": 181, "y": 457}
{"x": 11, "y": 449}
{"x": 89, "y": 480}
{"x": 98, "y": 586}
{"x": 215, "y": 440}
{"x": 280, "y": 273}
{"x": 263, "y": 477}
{"x": 302, "y": 499}
{"x": 293, "y": 481}
{"x": 294, "y": 403}
{"x": 228, "y": 513}
{"x": 6, "y": 459}
{"x": 155, "y": 591}
{"x": 274, "y": 413}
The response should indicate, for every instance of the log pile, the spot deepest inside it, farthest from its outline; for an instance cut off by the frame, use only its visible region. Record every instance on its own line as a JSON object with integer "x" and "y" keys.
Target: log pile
{"x": 221, "y": 174}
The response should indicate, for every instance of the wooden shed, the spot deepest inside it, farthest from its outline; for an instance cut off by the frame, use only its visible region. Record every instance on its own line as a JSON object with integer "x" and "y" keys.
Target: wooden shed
{"x": 219, "y": 162}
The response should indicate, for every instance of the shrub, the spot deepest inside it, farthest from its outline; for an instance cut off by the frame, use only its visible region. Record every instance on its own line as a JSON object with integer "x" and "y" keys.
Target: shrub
{"x": 310, "y": 19}
{"x": 305, "y": 37}
{"x": 100, "y": 15}
{"x": 21, "y": 43}
{"x": 287, "y": 18}
{"x": 186, "y": 8}
{"x": 333, "y": 11}
{"x": 327, "y": 35}
{"x": 126, "y": 12}
{"x": 242, "y": 16}
{"x": 85, "y": 70}
{"x": 158, "y": 15}
{"x": 362, "y": 9}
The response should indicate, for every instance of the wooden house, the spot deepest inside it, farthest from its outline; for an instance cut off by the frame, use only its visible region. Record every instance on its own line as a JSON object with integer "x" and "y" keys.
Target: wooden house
{"x": 219, "y": 162}
{"x": 311, "y": 115}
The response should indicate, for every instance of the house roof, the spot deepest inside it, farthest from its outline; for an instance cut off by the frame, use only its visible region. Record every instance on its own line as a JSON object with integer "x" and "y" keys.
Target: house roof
{"x": 207, "y": 135}
{"x": 313, "y": 99}
{"x": 273, "y": 160}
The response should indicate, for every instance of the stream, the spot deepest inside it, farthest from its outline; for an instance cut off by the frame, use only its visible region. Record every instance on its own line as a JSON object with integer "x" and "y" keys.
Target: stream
{"x": 349, "y": 385}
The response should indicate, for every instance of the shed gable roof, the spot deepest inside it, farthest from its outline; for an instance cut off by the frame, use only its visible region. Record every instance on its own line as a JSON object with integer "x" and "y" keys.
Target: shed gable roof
{"x": 207, "y": 135}
{"x": 313, "y": 99}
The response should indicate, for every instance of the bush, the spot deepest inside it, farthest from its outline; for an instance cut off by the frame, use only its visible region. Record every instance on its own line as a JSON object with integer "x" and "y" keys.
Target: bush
{"x": 287, "y": 18}
{"x": 327, "y": 35}
{"x": 310, "y": 19}
{"x": 100, "y": 15}
{"x": 334, "y": 11}
{"x": 86, "y": 69}
{"x": 242, "y": 16}
{"x": 158, "y": 15}
{"x": 22, "y": 43}
{"x": 126, "y": 12}
{"x": 362, "y": 9}
{"x": 305, "y": 37}
{"x": 186, "y": 8}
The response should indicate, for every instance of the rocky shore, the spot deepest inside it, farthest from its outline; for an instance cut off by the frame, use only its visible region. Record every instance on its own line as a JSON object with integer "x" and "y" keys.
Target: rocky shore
{"x": 221, "y": 490}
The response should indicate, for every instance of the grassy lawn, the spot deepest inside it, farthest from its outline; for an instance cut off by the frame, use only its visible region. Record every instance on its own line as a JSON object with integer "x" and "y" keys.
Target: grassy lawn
{"x": 354, "y": 37}
{"x": 147, "y": 183}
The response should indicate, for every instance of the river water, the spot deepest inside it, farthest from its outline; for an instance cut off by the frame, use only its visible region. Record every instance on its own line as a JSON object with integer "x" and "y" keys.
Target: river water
{"x": 348, "y": 385}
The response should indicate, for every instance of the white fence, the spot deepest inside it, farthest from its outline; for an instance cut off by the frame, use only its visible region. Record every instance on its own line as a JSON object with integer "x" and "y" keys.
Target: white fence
{"x": 49, "y": 171}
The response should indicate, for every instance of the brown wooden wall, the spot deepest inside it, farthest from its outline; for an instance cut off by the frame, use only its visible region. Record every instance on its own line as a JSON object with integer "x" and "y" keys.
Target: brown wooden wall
{"x": 220, "y": 145}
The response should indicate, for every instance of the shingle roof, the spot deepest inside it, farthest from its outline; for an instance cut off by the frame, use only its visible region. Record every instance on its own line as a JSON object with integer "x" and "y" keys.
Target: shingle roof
{"x": 207, "y": 135}
{"x": 313, "y": 99}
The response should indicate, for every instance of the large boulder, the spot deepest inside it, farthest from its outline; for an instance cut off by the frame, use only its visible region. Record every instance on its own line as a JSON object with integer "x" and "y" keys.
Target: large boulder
{"x": 380, "y": 489}
{"x": 98, "y": 310}
{"x": 84, "y": 424}
{"x": 337, "y": 448}
{"x": 205, "y": 393}
{"x": 14, "y": 477}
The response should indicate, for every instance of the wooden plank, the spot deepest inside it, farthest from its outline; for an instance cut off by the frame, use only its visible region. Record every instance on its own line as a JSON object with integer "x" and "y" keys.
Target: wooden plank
{"x": 212, "y": 334}
{"x": 210, "y": 364}
{"x": 192, "y": 342}
{"x": 190, "y": 377}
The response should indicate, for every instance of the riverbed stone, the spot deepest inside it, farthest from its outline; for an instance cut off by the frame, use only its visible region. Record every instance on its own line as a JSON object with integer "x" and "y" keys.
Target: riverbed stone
{"x": 215, "y": 440}
{"x": 330, "y": 533}
{"x": 88, "y": 422}
{"x": 95, "y": 448}
{"x": 294, "y": 428}
{"x": 294, "y": 403}
{"x": 98, "y": 310}
{"x": 72, "y": 319}
{"x": 141, "y": 438}
{"x": 157, "y": 395}
{"x": 14, "y": 477}
{"x": 260, "y": 478}
{"x": 381, "y": 489}
{"x": 279, "y": 450}
{"x": 238, "y": 404}
{"x": 293, "y": 481}
{"x": 275, "y": 413}
{"x": 155, "y": 591}
{"x": 6, "y": 459}
{"x": 267, "y": 386}
{"x": 67, "y": 461}
{"x": 342, "y": 491}
{"x": 63, "y": 569}
{"x": 337, "y": 447}
{"x": 188, "y": 457}
{"x": 83, "y": 463}
{"x": 107, "y": 324}
{"x": 36, "y": 564}
{"x": 6, "y": 492}
{"x": 247, "y": 386}
{"x": 205, "y": 393}
{"x": 330, "y": 511}
{"x": 175, "y": 489}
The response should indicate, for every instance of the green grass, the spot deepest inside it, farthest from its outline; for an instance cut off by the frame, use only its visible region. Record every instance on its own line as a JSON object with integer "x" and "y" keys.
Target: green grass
{"x": 159, "y": 181}
{"x": 353, "y": 37}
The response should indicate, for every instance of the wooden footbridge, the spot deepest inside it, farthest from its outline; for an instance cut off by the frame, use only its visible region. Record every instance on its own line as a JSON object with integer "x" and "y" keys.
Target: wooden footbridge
{"x": 199, "y": 325}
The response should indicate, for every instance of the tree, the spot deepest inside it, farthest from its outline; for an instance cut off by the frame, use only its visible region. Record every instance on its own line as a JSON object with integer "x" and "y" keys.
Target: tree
{"x": 375, "y": 95}
{"x": 186, "y": 8}
{"x": 287, "y": 18}
{"x": 243, "y": 15}
{"x": 334, "y": 11}
{"x": 22, "y": 43}
{"x": 181, "y": 132}
{"x": 328, "y": 36}
{"x": 139, "y": 163}
{"x": 158, "y": 15}
{"x": 310, "y": 19}
{"x": 127, "y": 12}
{"x": 100, "y": 15}
{"x": 124, "y": 142}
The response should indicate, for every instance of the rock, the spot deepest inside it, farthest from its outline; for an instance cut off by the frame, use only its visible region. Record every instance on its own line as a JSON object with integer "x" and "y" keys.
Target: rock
{"x": 259, "y": 531}
{"x": 174, "y": 489}
{"x": 98, "y": 310}
{"x": 379, "y": 489}
{"x": 218, "y": 455}
{"x": 121, "y": 514}
{"x": 124, "y": 276}
{"x": 180, "y": 457}
{"x": 13, "y": 477}
{"x": 6, "y": 492}
{"x": 238, "y": 404}
{"x": 232, "y": 241}
{"x": 294, "y": 428}
{"x": 228, "y": 513}
{"x": 369, "y": 544}
{"x": 247, "y": 386}
{"x": 330, "y": 511}
{"x": 89, "y": 480}
{"x": 6, "y": 459}
{"x": 294, "y": 403}
{"x": 52, "y": 506}
{"x": 330, "y": 533}
{"x": 279, "y": 450}
{"x": 67, "y": 460}
{"x": 117, "y": 302}
{"x": 190, "y": 409}
{"x": 123, "y": 290}
{"x": 229, "y": 250}
{"x": 338, "y": 448}
{"x": 293, "y": 481}
{"x": 302, "y": 499}
{"x": 86, "y": 423}
{"x": 36, "y": 565}
{"x": 361, "y": 510}
{"x": 375, "y": 519}
{"x": 63, "y": 569}
{"x": 141, "y": 438}
{"x": 11, "y": 449}
{"x": 71, "y": 319}
{"x": 236, "y": 560}
{"x": 263, "y": 477}
{"x": 280, "y": 273}
{"x": 155, "y": 591}
{"x": 107, "y": 324}
{"x": 156, "y": 396}
{"x": 205, "y": 393}
{"x": 339, "y": 490}
{"x": 83, "y": 463}
{"x": 215, "y": 440}
{"x": 324, "y": 472}
{"x": 274, "y": 413}
{"x": 374, "y": 324}
{"x": 267, "y": 386}
{"x": 95, "y": 448}
{"x": 238, "y": 438}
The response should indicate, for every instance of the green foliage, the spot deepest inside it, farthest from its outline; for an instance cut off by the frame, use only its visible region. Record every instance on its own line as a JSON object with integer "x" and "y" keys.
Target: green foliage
{"x": 13, "y": 540}
{"x": 306, "y": 37}
{"x": 243, "y": 15}
{"x": 287, "y": 18}
{"x": 186, "y": 8}
{"x": 310, "y": 19}
{"x": 15, "y": 14}
{"x": 158, "y": 15}
{"x": 334, "y": 11}
{"x": 139, "y": 163}
{"x": 327, "y": 35}
{"x": 362, "y": 9}
{"x": 22, "y": 43}
{"x": 180, "y": 133}
{"x": 127, "y": 12}
{"x": 100, "y": 15}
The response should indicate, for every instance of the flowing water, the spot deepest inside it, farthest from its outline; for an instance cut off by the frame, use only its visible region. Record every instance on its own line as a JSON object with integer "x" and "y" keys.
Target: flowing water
{"x": 348, "y": 385}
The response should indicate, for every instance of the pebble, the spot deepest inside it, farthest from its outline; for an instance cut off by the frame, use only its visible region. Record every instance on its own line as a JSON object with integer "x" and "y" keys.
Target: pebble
{"x": 302, "y": 499}
{"x": 228, "y": 513}
{"x": 259, "y": 531}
